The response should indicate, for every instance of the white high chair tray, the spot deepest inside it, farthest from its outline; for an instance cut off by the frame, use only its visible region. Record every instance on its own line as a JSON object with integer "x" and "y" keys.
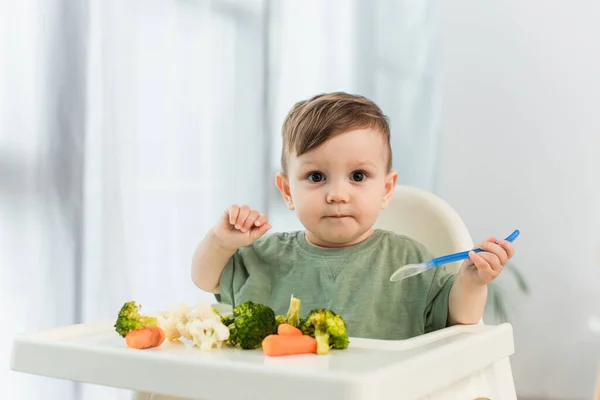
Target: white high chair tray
{"x": 368, "y": 369}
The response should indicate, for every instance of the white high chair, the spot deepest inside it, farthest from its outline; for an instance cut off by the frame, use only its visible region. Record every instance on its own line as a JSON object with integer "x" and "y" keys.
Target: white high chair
{"x": 455, "y": 363}
{"x": 428, "y": 219}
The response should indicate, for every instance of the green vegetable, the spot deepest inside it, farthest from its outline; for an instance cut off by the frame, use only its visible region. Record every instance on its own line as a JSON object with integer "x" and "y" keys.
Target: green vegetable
{"x": 280, "y": 319}
{"x": 327, "y": 327}
{"x": 293, "y": 314}
{"x": 227, "y": 320}
{"x": 129, "y": 319}
{"x": 251, "y": 323}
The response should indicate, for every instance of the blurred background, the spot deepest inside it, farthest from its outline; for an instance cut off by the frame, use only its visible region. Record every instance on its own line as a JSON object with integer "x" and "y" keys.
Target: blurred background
{"x": 126, "y": 127}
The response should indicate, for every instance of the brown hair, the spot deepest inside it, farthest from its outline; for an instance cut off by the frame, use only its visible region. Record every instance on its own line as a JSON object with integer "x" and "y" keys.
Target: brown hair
{"x": 312, "y": 122}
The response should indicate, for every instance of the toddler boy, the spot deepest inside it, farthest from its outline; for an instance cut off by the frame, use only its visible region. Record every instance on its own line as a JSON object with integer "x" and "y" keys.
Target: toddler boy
{"x": 337, "y": 175}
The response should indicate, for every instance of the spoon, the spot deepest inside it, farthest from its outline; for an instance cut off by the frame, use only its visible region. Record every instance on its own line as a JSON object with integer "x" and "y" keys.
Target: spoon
{"x": 414, "y": 269}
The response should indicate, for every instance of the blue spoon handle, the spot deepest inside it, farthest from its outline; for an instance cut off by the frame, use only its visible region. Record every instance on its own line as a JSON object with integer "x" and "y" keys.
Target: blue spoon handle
{"x": 465, "y": 254}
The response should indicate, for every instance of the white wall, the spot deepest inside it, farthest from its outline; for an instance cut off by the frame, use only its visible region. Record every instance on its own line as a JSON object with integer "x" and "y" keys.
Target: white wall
{"x": 521, "y": 149}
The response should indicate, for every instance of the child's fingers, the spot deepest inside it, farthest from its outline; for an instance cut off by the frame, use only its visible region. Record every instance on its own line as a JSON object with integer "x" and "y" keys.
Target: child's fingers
{"x": 481, "y": 263}
{"x": 249, "y": 221}
{"x": 497, "y": 250}
{"x": 508, "y": 248}
{"x": 233, "y": 212}
{"x": 262, "y": 218}
{"x": 492, "y": 260}
{"x": 241, "y": 218}
{"x": 259, "y": 231}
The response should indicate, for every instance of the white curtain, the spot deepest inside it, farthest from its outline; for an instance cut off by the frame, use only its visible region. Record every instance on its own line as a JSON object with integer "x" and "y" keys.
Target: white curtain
{"x": 176, "y": 121}
{"x": 128, "y": 126}
{"x": 41, "y": 120}
{"x": 176, "y": 100}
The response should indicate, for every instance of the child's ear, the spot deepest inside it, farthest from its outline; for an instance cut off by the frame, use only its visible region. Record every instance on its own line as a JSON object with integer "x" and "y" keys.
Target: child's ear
{"x": 281, "y": 180}
{"x": 390, "y": 185}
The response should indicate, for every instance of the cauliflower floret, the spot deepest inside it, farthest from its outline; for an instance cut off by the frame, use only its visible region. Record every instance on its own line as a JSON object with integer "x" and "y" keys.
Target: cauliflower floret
{"x": 169, "y": 326}
{"x": 208, "y": 333}
{"x": 201, "y": 324}
{"x": 183, "y": 329}
{"x": 173, "y": 320}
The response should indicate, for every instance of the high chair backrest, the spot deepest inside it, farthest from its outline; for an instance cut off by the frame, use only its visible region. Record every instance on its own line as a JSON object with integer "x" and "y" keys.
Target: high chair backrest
{"x": 428, "y": 219}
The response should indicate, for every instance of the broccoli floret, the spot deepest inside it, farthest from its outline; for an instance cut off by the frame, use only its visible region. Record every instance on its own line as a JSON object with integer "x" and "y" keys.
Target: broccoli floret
{"x": 280, "y": 319}
{"x": 293, "y": 314}
{"x": 306, "y": 328}
{"x": 328, "y": 328}
{"x": 251, "y": 324}
{"x": 227, "y": 320}
{"x": 129, "y": 319}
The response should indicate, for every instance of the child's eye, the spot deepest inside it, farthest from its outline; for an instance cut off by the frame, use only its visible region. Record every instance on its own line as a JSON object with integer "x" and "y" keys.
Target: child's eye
{"x": 315, "y": 177}
{"x": 358, "y": 176}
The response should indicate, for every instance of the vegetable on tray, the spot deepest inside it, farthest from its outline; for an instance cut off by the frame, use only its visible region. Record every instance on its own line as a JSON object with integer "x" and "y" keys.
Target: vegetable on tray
{"x": 200, "y": 324}
{"x": 129, "y": 319}
{"x": 251, "y": 326}
{"x": 288, "y": 330}
{"x": 328, "y": 328}
{"x": 287, "y": 345}
{"x": 321, "y": 331}
{"x": 145, "y": 338}
{"x": 293, "y": 315}
{"x": 251, "y": 323}
{"x": 140, "y": 331}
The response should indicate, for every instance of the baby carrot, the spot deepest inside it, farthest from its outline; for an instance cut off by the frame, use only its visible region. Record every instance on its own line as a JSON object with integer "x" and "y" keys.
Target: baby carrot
{"x": 145, "y": 338}
{"x": 289, "y": 330}
{"x": 286, "y": 345}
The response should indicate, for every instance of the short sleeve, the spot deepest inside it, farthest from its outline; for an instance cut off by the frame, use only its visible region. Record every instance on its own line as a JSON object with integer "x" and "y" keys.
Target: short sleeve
{"x": 433, "y": 286}
{"x": 232, "y": 279}
{"x": 436, "y": 311}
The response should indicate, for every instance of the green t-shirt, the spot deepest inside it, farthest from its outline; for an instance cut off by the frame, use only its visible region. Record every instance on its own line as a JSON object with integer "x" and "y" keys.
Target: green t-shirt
{"x": 353, "y": 282}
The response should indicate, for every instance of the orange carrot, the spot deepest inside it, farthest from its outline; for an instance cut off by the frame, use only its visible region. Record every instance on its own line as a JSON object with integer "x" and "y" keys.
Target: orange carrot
{"x": 286, "y": 345}
{"x": 145, "y": 338}
{"x": 289, "y": 330}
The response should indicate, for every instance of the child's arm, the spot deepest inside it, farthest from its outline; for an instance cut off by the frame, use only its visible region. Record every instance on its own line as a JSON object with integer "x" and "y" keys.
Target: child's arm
{"x": 469, "y": 291}
{"x": 208, "y": 262}
{"x": 238, "y": 227}
{"x": 467, "y": 301}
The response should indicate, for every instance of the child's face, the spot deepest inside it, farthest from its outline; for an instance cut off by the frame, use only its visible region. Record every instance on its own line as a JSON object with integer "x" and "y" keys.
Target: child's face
{"x": 339, "y": 188}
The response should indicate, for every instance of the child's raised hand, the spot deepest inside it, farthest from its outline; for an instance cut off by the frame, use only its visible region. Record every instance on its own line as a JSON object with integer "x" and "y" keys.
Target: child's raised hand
{"x": 240, "y": 226}
{"x": 487, "y": 265}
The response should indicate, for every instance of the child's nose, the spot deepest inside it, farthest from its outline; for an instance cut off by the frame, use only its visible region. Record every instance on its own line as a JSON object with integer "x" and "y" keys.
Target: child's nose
{"x": 338, "y": 193}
